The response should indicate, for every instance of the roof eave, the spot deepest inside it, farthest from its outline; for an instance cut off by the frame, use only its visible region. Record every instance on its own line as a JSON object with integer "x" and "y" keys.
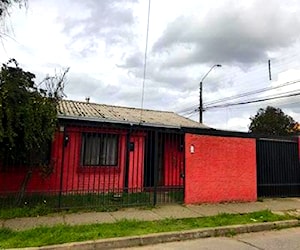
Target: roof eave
{"x": 96, "y": 119}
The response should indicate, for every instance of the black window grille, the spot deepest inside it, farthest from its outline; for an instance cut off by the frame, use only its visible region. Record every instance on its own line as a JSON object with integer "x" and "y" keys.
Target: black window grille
{"x": 99, "y": 149}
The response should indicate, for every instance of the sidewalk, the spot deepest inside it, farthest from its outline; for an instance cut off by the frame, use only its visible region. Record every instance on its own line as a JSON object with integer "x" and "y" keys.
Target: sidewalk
{"x": 279, "y": 205}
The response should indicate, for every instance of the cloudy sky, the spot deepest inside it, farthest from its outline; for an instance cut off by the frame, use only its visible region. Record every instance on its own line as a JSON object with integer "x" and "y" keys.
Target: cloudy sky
{"x": 103, "y": 43}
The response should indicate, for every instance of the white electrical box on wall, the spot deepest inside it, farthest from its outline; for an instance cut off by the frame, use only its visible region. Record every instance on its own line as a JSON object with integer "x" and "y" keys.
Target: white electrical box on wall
{"x": 192, "y": 149}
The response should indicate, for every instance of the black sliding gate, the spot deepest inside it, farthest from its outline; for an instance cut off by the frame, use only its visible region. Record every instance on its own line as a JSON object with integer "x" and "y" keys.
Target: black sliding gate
{"x": 278, "y": 169}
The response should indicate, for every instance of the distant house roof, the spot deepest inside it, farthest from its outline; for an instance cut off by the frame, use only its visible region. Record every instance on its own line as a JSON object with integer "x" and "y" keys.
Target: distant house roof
{"x": 76, "y": 110}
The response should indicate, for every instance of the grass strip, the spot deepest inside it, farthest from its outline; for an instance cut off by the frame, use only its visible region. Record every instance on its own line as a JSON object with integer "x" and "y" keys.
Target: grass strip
{"x": 10, "y": 213}
{"x": 39, "y": 205}
{"x": 103, "y": 201}
{"x": 59, "y": 234}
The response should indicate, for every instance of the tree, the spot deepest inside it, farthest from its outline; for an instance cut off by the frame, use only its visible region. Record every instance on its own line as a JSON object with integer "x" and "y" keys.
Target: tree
{"x": 272, "y": 121}
{"x": 5, "y": 5}
{"x": 28, "y": 119}
{"x": 27, "y": 116}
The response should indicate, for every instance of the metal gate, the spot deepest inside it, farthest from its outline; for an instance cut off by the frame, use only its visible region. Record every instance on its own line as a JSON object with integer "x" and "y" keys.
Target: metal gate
{"x": 164, "y": 167}
{"x": 278, "y": 169}
{"x": 123, "y": 167}
{"x": 103, "y": 166}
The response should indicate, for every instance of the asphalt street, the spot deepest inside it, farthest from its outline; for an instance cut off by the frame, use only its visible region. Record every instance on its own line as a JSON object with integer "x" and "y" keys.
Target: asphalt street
{"x": 288, "y": 239}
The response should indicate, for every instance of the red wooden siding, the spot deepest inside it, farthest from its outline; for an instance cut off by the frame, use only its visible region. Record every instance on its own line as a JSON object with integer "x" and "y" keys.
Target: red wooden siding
{"x": 220, "y": 169}
{"x": 12, "y": 178}
{"x": 92, "y": 179}
{"x": 173, "y": 161}
{"x": 136, "y": 165}
{"x": 81, "y": 179}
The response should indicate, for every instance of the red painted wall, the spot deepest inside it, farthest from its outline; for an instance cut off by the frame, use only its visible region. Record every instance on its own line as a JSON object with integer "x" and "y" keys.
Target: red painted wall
{"x": 12, "y": 178}
{"x": 76, "y": 178}
{"x": 220, "y": 169}
{"x": 136, "y": 165}
{"x": 92, "y": 179}
{"x": 173, "y": 161}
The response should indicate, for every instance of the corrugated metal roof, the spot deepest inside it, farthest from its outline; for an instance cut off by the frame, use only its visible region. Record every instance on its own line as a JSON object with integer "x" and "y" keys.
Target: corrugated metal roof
{"x": 106, "y": 113}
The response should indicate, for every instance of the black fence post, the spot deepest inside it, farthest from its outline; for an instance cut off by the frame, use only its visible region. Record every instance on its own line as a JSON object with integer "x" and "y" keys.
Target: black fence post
{"x": 127, "y": 160}
{"x": 64, "y": 144}
{"x": 156, "y": 165}
{"x": 182, "y": 175}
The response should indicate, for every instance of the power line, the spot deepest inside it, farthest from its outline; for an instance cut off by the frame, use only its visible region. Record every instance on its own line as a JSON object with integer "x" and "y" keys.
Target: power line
{"x": 252, "y": 101}
{"x": 280, "y": 63}
{"x": 253, "y": 92}
{"x": 145, "y": 61}
{"x": 259, "y": 73}
{"x": 194, "y": 108}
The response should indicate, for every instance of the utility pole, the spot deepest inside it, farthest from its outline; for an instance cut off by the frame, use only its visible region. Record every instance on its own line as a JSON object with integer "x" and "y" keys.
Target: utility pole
{"x": 200, "y": 92}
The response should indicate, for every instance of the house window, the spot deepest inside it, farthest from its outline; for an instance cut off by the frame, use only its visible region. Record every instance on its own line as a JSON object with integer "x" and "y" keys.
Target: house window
{"x": 99, "y": 149}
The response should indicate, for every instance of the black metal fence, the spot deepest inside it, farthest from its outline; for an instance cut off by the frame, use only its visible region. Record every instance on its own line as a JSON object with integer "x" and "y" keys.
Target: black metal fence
{"x": 108, "y": 166}
{"x": 103, "y": 167}
{"x": 278, "y": 168}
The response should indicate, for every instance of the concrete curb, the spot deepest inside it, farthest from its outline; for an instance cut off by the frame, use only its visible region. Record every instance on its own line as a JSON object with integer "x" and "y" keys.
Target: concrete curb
{"x": 171, "y": 236}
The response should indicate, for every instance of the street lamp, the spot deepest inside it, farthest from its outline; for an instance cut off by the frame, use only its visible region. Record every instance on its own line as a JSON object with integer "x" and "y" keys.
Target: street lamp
{"x": 200, "y": 100}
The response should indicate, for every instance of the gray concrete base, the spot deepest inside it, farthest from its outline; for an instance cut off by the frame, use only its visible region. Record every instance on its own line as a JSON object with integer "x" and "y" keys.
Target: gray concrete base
{"x": 31, "y": 222}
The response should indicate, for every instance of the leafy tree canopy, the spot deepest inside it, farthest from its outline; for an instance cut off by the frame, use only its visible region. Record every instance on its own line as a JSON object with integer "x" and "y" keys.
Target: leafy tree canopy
{"x": 5, "y": 7}
{"x": 27, "y": 113}
{"x": 272, "y": 121}
{"x": 6, "y": 4}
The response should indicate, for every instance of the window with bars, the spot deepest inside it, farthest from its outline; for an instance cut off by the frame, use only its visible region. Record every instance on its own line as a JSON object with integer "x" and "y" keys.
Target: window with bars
{"x": 99, "y": 149}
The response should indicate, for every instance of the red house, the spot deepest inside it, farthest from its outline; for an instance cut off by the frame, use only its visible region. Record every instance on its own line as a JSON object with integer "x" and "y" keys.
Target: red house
{"x": 109, "y": 149}
{"x": 117, "y": 153}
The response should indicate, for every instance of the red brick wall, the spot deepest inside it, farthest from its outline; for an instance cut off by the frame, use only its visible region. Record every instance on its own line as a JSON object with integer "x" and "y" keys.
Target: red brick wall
{"x": 220, "y": 169}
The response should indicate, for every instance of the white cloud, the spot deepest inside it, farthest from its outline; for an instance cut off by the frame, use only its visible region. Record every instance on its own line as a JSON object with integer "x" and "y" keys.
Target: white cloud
{"x": 103, "y": 43}
{"x": 235, "y": 35}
